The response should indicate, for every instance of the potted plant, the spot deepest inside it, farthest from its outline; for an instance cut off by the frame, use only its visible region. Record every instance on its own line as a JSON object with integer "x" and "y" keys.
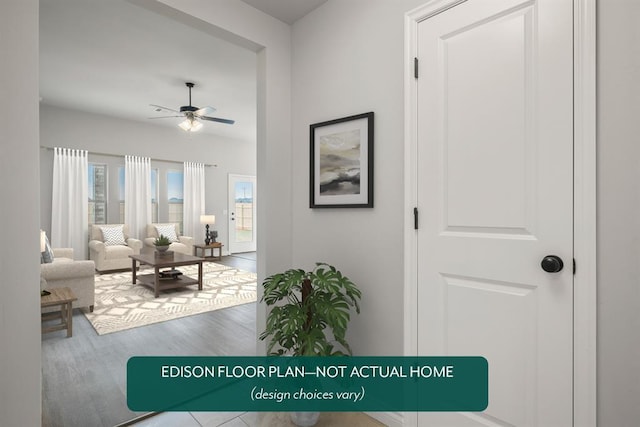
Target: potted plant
{"x": 305, "y": 306}
{"x": 313, "y": 303}
{"x": 162, "y": 243}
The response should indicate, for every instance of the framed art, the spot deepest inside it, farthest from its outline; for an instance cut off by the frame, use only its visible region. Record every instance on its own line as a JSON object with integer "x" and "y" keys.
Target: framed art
{"x": 341, "y": 167}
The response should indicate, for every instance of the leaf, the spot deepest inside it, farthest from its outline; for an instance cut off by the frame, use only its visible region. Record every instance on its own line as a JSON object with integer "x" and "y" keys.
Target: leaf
{"x": 299, "y": 327}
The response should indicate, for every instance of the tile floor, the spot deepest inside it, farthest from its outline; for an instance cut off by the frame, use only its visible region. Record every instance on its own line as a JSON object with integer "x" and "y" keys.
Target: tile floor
{"x": 253, "y": 419}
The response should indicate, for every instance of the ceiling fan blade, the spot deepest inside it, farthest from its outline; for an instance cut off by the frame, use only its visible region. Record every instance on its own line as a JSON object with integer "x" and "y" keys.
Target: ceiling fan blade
{"x": 164, "y": 117}
{"x": 204, "y": 111}
{"x": 160, "y": 107}
{"x": 217, "y": 119}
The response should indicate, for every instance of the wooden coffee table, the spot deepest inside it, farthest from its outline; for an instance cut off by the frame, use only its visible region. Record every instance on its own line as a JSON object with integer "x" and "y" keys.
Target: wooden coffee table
{"x": 162, "y": 261}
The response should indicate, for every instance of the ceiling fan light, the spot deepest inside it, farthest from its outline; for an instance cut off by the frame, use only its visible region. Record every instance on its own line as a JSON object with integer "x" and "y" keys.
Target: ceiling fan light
{"x": 190, "y": 125}
{"x": 186, "y": 125}
{"x": 195, "y": 126}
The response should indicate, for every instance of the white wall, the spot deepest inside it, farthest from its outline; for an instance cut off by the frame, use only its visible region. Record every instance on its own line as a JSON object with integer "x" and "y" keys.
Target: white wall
{"x": 618, "y": 213}
{"x": 20, "y": 380}
{"x": 348, "y": 59}
{"x": 61, "y": 127}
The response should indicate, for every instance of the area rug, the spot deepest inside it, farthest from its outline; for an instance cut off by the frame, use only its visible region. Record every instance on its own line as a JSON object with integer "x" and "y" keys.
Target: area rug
{"x": 121, "y": 305}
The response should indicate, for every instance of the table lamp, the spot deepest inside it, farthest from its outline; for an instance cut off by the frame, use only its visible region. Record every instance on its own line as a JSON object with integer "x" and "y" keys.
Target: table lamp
{"x": 207, "y": 219}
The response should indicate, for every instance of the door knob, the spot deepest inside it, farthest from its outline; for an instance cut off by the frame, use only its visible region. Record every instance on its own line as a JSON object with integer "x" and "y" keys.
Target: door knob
{"x": 552, "y": 264}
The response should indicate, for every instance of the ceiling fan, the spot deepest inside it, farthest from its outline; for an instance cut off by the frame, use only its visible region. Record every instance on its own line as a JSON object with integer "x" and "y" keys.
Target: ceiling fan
{"x": 192, "y": 114}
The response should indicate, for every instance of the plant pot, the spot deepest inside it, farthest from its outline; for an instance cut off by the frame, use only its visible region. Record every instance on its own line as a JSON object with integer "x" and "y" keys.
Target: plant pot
{"x": 162, "y": 249}
{"x": 305, "y": 419}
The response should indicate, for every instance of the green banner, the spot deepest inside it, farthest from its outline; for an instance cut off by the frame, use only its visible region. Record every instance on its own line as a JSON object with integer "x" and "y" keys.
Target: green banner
{"x": 307, "y": 384}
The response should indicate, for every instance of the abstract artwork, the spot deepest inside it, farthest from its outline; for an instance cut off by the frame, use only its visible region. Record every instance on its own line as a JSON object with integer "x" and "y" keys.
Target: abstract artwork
{"x": 342, "y": 162}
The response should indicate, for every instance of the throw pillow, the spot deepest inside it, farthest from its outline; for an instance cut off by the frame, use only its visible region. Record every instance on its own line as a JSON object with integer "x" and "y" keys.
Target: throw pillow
{"x": 46, "y": 257}
{"x": 167, "y": 230}
{"x": 113, "y": 235}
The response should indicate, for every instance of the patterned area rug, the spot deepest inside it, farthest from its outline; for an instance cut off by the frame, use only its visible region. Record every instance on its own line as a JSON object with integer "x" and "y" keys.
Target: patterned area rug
{"x": 121, "y": 305}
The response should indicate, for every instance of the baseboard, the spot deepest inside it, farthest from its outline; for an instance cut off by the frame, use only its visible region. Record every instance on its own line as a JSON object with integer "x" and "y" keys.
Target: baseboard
{"x": 390, "y": 419}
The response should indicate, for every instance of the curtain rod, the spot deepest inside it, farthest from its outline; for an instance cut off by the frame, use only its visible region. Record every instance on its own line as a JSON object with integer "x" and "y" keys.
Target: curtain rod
{"x": 122, "y": 156}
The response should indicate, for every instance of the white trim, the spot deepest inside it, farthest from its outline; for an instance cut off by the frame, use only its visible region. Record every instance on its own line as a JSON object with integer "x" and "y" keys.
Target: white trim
{"x": 410, "y": 190}
{"x": 585, "y": 244}
{"x": 585, "y": 281}
{"x": 411, "y": 201}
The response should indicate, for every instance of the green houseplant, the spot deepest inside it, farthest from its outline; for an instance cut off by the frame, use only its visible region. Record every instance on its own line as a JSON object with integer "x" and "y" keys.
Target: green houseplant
{"x": 305, "y": 306}
{"x": 162, "y": 243}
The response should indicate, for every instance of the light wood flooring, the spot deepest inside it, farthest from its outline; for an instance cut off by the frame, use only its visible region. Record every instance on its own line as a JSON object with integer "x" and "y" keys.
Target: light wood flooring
{"x": 84, "y": 377}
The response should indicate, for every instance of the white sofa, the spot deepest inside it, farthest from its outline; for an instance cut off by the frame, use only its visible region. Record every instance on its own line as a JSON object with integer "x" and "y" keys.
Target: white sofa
{"x": 112, "y": 257}
{"x": 183, "y": 245}
{"x": 77, "y": 275}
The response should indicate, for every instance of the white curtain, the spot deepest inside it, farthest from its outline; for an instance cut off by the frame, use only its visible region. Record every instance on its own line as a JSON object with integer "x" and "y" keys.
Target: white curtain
{"x": 137, "y": 195}
{"x": 70, "y": 201}
{"x": 193, "y": 197}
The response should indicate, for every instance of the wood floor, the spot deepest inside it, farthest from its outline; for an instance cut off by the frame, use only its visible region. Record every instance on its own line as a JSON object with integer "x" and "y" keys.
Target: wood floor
{"x": 84, "y": 377}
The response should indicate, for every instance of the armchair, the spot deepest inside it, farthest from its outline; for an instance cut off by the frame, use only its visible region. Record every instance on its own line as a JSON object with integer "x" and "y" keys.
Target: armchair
{"x": 112, "y": 252}
{"x": 183, "y": 244}
{"x": 77, "y": 275}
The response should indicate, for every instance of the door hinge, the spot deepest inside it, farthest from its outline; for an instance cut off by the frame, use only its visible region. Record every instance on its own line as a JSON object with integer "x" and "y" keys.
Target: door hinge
{"x": 574, "y": 266}
{"x": 415, "y": 68}
{"x": 415, "y": 218}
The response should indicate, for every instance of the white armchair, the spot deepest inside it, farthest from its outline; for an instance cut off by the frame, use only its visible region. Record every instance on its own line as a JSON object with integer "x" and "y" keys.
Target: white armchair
{"x": 65, "y": 272}
{"x": 112, "y": 253}
{"x": 183, "y": 244}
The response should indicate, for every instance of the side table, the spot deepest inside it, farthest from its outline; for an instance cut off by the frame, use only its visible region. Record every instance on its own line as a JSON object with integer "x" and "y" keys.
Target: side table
{"x": 63, "y": 297}
{"x": 211, "y": 246}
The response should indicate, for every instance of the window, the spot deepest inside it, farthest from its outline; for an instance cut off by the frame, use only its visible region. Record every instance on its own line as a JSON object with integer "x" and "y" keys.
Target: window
{"x": 97, "y": 193}
{"x": 175, "y": 190}
{"x": 244, "y": 212}
{"x": 154, "y": 194}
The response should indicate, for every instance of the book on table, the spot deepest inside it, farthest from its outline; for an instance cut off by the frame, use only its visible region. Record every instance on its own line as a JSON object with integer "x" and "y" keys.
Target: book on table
{"x": 170, "y": 274}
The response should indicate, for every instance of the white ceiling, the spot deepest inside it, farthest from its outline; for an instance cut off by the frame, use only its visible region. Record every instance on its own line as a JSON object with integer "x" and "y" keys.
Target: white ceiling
{"x": 115, "y": 58}
{"x": 288, "y": 11}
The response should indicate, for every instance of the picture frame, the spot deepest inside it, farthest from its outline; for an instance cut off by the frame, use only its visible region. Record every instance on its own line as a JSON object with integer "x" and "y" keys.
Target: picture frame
{"x": 341, "y": 162}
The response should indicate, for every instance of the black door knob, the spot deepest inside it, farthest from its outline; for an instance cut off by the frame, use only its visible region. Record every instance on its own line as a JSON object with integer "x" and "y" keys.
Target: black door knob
{"x": 552, "y": 264}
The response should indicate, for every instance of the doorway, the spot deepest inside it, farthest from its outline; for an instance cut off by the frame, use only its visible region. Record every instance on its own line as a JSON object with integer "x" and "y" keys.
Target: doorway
{"x": 242, "y": 208}
{"x": 490, "y": 85}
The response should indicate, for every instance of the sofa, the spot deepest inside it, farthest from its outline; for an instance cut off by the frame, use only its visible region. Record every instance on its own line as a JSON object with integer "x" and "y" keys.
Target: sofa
{"x": 183, "y": 244}
{"x": 109, "y": 254}
{"x": 77, "y": 275}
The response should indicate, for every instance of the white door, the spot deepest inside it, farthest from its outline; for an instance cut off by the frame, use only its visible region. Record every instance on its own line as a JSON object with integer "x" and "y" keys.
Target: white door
{"x": 242, "y": 213}
{"x": 495, "y": 192}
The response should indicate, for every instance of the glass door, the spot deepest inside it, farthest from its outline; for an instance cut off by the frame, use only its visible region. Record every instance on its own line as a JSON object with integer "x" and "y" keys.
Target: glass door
{"x": 242, "y": 213}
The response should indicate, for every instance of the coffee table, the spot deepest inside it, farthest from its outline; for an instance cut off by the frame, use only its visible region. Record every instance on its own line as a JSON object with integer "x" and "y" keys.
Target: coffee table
{"x": 161, "y": 261}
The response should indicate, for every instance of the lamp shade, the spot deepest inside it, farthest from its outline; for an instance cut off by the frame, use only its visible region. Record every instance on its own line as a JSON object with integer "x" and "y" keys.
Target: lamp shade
{"x": 190, "y": 125}
{"x": 43, "y": 238}
{"x": 207, "y": 219}
{"x": 195, "y": 126}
